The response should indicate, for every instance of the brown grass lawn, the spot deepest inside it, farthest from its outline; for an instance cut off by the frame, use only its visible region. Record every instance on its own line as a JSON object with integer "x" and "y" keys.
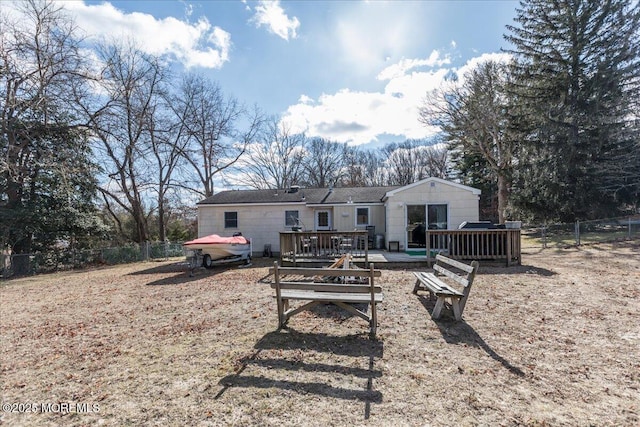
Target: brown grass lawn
{"x": 555, "y": 341}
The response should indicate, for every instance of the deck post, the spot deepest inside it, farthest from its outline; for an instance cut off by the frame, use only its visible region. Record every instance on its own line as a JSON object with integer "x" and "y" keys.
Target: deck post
{"x": 295, "y": 251}
{"x": 428, "y": 249}
{"x": 276, "y": 275}
{"x": 366, "y": 253}
{"x": 374, "y": 314}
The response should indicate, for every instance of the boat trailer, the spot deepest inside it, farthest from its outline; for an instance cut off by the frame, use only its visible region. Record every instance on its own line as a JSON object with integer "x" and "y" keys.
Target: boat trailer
{"x": 196, "y": 259}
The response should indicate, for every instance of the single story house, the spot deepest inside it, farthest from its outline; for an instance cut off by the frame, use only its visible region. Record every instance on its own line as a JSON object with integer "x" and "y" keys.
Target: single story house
{"x": 398, "y": 213}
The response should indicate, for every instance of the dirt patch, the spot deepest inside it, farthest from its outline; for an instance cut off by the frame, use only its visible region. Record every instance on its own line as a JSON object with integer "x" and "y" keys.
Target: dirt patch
{"x": 552, "y": 342}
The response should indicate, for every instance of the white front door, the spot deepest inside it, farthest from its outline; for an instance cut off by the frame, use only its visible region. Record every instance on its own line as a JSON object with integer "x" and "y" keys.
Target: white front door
{"x": 323, "y": 220}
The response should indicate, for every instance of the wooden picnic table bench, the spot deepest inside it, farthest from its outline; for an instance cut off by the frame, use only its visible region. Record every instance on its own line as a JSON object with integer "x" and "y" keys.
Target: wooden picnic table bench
{"x": 316, "y": 292}
{"x": 433, "y": 283}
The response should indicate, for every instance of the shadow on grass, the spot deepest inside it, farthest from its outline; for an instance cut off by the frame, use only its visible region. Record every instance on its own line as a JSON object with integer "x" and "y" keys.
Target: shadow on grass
{"x": 336, "y": 313}
{"x": 182, "y": 273}
{"x": 460, "y": 332}
{"x": 518, "y": 269}
{"x": 163, "y": 268}
{"x": 494, "y": 267}
{"x": 182, "y": 267}
{"x": 356, "y": 345}
{"x": 287, "y": 340}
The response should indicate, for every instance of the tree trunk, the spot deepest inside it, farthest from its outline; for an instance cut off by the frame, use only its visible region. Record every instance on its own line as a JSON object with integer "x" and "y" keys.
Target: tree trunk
{"x": 162, "y": 231}
{"x": 503, "y": 196}
{"x": 141, "y": 224}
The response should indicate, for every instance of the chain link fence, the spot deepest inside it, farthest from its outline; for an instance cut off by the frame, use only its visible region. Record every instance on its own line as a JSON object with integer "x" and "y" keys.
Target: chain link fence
{"x": 533, "y": 236}
{"x": 66, "y": 259}
{"x": 581, "y": 232}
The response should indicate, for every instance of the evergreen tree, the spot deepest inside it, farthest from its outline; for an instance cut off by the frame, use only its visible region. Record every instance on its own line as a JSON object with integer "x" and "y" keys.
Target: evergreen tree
{"x": 472, "y": 169}
{"x": 47, "y": 180}
{"x": 577, "y": 78}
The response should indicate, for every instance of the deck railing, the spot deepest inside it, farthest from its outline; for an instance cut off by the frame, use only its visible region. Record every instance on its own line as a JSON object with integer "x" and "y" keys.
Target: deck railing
{"x": 323, "y": 245}
{"x": 501, "y": 244}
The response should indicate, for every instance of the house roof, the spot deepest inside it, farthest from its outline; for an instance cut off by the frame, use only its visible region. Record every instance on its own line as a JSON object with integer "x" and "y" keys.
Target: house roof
{"x": 434, "y": 180}
{"x": 310, "y": 196}
{"x": 320, "y": 196}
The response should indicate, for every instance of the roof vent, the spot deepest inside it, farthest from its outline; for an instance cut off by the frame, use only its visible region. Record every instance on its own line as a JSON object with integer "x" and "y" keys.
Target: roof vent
{"x": 294, "y": 189}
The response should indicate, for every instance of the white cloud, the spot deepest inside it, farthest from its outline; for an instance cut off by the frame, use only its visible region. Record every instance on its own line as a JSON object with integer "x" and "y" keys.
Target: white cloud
{"x": 362, "y": 117}
{"x": 475, "y": 61}
{"x": 399, "y": 69}
{"x": 358, "y": 117}
{"x": 270, "y": 14}
{"x": 193, "y": 44}
{"x": 304, "y": 99}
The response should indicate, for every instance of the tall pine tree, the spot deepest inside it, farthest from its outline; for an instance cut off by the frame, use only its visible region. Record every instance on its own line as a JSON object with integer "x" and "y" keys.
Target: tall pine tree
{"x": 577, "y": 79}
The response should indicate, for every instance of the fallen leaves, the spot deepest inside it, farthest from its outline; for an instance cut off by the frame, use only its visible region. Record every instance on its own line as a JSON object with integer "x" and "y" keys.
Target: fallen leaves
{"x": 152, "y": 345}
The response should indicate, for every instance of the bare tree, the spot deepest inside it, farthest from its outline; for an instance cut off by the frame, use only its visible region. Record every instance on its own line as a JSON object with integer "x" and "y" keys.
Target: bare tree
{"x": 323, "y": 162}
{"x": 277, "y": 160}
{"x": 433, "y": 161}
{"x": 132, "y": 86}
{"x": 167, "y": 143}
{"x": 401, "y": 162}
{"x": 362, "y": 168}
{"x": 473, "y": 114}
{"x": 212, "y": 122}
{"x": 411, "y": 161}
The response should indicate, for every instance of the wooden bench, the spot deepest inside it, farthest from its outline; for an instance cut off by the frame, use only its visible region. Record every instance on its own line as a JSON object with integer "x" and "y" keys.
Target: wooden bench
{"x": 340, "y": 294}
{"x": 432, "y": 283}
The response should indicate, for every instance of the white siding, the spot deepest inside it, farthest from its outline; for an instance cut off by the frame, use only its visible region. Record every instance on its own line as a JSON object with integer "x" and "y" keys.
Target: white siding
{"x": 344, "y": 217}
{"x": 263, "y": 223}
{"x": 462, "y": 205}
{"x": 260, "y": 223}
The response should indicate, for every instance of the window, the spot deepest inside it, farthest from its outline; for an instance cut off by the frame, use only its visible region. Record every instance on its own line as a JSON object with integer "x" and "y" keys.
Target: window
{"x": 437, "y": 217}
{"x": 362, "y": 216}
{"x": 291, "y": 218}
{"x": 231, "y": 220}
{"x": 322, "y": 220}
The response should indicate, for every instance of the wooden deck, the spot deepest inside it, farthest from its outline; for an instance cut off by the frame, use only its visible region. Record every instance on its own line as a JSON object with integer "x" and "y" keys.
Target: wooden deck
{"x": 322, "y": 247}
{"x": 500, "y": 244}
{"x": 314, "y": 246}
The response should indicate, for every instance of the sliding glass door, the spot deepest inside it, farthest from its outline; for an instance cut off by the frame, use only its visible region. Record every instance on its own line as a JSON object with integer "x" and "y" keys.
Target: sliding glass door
{"x": 416, "y": 220}
{"x": 421, "y": 217}
{"x": 437, "y": 217}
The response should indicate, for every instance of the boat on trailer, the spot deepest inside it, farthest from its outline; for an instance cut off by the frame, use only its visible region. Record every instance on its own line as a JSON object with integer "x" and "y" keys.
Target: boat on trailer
{"x": 215, "y": 249}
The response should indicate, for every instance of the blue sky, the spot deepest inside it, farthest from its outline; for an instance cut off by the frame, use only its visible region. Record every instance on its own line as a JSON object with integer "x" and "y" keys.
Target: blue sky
{"x": 350, "y": 71}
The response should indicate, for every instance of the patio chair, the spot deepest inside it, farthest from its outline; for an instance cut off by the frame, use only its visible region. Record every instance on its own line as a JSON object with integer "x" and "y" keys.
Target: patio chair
{"x": 371, "y": 229}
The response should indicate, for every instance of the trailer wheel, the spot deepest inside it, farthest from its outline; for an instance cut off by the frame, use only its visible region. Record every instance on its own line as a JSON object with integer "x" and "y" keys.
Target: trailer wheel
{"x": 207, "y": 262}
